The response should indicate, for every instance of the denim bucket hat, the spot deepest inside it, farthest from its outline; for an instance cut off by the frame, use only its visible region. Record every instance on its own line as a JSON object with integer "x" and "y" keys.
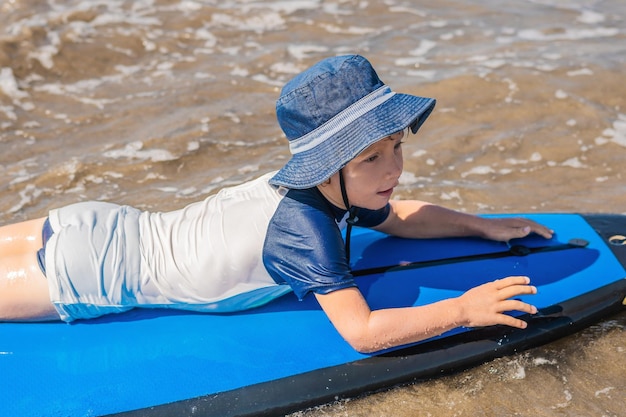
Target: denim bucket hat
{"x": 333, "y": 111}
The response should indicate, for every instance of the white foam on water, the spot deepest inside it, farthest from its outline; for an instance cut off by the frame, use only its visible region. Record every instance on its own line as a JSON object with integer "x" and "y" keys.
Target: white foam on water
{"x": 236, "y": 71}
{"x": 568, "y": 399}
{"x": 169, "y": 190}
{"x": 189, "y": 191}
{"x": 457, "y": 33}
{"x": 518, "y": 371}
{"x": 246, "y": 169}
{"x": 560, "y": 94}
{"x": 27, "y": 196}
{"x": 582, "y": 71}
{"x": 424, "y": 47}
{"x": 573, "y": 163}
{"x": 62, "y": 90}
{"x": 535, "y": 157}
{"x": 410, "y": 10}
{"x": 604, "y": 392}
{"x": 94, "y": 179}
{"x": 619, "y": 130}
{"x": 188, "y": 6}
{"x": 9, "y": 112}
{"x": 285, "y": 68}
{"x": 114, "y": 15}
{"x": 513, "y": 88}
{"x": 113, "y": 174}
{"x": 591, "y": 17}
{"x": 262, "y": 78}
{"x": 438, "y": 23}
{"x": 478, "y": 170}
{"x": 259, "y": 23}
{"x": 352, "y": 30}
{"x": 334, "y": 9}
{"x": 233, "y": 117}
{"x": 305, "y": 51}
{"x": 426, "y": 74}
{"x": 493, "y": 63}
{"x": 452, "y": 195}
{"x": 407, "y": 178}
{"x": 615, "y": 134}
{"x": 552, "y": 56}
{"x": 417, "y": 55}
{"x": 61, "y": 25}
{"x": 285, "y": 6}
{"x": 567, "y": 34}
{"x": 193, "y": 146}
{"x": 134, "y": 150}
{"x": 21, "y": 173}
{"x": 204, "y": 124}
{"x": 206, "y": 75}
{"x": 543, "y": 361}
{"x": 127, "y": 70}
{"x": 80, "y": 89}
{"x": 9, "y": 86}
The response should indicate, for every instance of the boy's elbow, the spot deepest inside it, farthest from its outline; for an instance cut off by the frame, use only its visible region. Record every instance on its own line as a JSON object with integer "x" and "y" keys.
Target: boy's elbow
{"x": 362, "y": 343}
{"x": 365, "y": 349}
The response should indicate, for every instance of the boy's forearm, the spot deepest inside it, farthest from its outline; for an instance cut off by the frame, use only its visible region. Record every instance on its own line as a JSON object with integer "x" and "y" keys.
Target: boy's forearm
{"x": 369, "y": 331}
{"x": 396, "y": 327}
{"x": 417, "y": 219}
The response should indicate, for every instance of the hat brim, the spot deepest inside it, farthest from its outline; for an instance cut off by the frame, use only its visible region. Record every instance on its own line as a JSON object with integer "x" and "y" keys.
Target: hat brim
{"x": 312, "y": 167}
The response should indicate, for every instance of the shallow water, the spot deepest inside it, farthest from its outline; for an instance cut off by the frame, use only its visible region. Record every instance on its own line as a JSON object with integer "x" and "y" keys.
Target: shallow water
{"x": 158, "y": 103}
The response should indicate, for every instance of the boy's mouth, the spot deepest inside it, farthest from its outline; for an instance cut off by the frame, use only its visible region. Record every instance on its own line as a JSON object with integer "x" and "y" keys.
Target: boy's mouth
{"x": 386, "y": 193}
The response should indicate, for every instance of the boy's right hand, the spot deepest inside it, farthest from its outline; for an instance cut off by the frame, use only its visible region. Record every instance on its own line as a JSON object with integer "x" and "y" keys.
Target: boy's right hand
{"x": 485, "y": 305}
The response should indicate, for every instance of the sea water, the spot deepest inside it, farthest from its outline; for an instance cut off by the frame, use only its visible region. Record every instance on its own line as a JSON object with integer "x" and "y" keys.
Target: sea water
{"x": 158, "y": 103}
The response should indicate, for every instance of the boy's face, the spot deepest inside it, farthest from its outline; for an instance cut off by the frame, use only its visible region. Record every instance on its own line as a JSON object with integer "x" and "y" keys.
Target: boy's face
{"x": 370, "y": 177}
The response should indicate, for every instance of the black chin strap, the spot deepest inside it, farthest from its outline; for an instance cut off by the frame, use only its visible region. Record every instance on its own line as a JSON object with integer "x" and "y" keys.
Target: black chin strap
{"x": 352, "y": 217}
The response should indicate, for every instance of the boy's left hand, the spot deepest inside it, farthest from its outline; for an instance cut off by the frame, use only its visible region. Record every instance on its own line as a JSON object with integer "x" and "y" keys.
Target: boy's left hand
{"x": 507, "y": 228}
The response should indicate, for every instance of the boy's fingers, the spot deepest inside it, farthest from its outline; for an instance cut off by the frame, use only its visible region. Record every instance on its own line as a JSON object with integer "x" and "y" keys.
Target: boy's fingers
{"x": 509, "y": 281}
{"x": 513, "y": 322}
{"x": 515, "y": 290}
{"x": 529, "y": 226}
{"x": 516, "y": 305}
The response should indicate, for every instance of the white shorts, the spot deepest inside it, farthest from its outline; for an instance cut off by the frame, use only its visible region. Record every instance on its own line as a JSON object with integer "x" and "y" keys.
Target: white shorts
{"x": 95, "y": 245}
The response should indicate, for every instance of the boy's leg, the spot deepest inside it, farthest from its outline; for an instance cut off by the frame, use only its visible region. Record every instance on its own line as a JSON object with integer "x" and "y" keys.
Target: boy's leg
{"x": 19, "y": 238}
{"x": 24, "y": 294}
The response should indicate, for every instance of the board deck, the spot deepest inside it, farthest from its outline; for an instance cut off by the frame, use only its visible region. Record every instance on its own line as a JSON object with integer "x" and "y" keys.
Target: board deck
{"x": 287, "y": 356}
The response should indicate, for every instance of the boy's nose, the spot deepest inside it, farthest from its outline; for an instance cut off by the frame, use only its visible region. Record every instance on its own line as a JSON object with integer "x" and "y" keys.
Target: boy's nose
{"x": 396, "y": 168}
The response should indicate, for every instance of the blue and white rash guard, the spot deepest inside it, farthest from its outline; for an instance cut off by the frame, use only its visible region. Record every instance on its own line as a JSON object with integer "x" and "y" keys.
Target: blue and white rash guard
{"x": 237, "y": 249}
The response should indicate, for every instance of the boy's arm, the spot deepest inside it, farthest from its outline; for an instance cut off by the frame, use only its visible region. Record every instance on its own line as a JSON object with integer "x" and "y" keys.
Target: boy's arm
{"x": 417, "y": 219}
{"x": 484, "y": 305}
{"x": 369, "y": 331}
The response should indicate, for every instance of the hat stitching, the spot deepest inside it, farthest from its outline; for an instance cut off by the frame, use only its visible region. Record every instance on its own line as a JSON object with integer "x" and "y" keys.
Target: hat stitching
{"x": 341, "y": 120}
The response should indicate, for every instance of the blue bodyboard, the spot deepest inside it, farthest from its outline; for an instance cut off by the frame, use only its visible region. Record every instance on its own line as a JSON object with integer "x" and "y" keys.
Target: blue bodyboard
{"x": 287, "y": 356}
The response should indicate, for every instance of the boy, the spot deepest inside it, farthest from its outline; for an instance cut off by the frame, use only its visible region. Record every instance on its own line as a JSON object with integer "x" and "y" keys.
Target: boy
{"x": 249, "y": 244}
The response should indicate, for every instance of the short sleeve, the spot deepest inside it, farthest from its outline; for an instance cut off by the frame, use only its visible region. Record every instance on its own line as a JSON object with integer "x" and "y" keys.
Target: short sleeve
{"x": 304, "y": 247}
